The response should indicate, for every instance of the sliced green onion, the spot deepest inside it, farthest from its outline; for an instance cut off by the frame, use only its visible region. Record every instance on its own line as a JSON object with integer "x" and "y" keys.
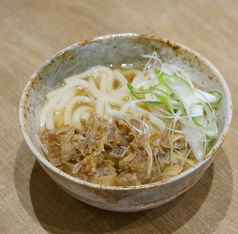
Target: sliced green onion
{"x": 182, "y": 101}
{"x": 219, "y": 100}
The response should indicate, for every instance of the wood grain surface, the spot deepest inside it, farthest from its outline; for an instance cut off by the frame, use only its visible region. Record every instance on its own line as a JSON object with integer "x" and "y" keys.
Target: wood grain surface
{"x": 33, "y": 30}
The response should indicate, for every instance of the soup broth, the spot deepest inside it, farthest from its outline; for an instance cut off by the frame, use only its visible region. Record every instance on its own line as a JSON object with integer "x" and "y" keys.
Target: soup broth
{"x": 122, "y": 126}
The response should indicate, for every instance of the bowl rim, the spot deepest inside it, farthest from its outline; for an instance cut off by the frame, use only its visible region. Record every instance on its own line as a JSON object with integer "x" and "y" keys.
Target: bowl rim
{"x": 183, "y": 174}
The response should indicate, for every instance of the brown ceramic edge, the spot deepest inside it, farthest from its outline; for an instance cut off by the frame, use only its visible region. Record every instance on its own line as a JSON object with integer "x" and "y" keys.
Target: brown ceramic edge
{"x": 171, "y": 43}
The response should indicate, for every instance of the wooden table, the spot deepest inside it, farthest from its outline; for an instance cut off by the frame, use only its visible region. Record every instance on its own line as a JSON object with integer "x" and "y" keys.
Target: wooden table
{"x": 33, "y": 30}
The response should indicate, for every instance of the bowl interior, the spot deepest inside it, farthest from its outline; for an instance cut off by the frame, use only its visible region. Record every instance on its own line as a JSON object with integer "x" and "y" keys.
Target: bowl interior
{"x": 116, "y": 50}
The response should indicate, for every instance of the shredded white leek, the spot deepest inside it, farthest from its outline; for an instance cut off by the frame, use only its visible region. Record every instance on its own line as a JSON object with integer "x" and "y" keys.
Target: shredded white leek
{"x": 173, "y": 95}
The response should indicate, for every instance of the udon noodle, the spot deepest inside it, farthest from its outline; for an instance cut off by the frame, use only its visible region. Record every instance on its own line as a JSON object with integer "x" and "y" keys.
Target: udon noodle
{"x": 127, "y": 126}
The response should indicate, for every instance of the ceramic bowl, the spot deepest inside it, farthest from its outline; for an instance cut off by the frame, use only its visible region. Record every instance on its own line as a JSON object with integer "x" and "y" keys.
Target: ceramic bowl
{"x": 121, "y": 49}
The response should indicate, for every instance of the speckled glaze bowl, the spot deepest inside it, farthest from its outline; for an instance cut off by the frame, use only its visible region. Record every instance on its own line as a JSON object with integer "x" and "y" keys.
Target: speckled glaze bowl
{"x": 121, "y": 49}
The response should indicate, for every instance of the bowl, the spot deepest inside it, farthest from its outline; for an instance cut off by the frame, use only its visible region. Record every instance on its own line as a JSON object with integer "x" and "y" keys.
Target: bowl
{"x": 121, "y": 49}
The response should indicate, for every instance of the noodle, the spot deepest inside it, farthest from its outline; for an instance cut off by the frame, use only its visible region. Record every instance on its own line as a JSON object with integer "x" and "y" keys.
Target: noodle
{"x": 65, "y": 98}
